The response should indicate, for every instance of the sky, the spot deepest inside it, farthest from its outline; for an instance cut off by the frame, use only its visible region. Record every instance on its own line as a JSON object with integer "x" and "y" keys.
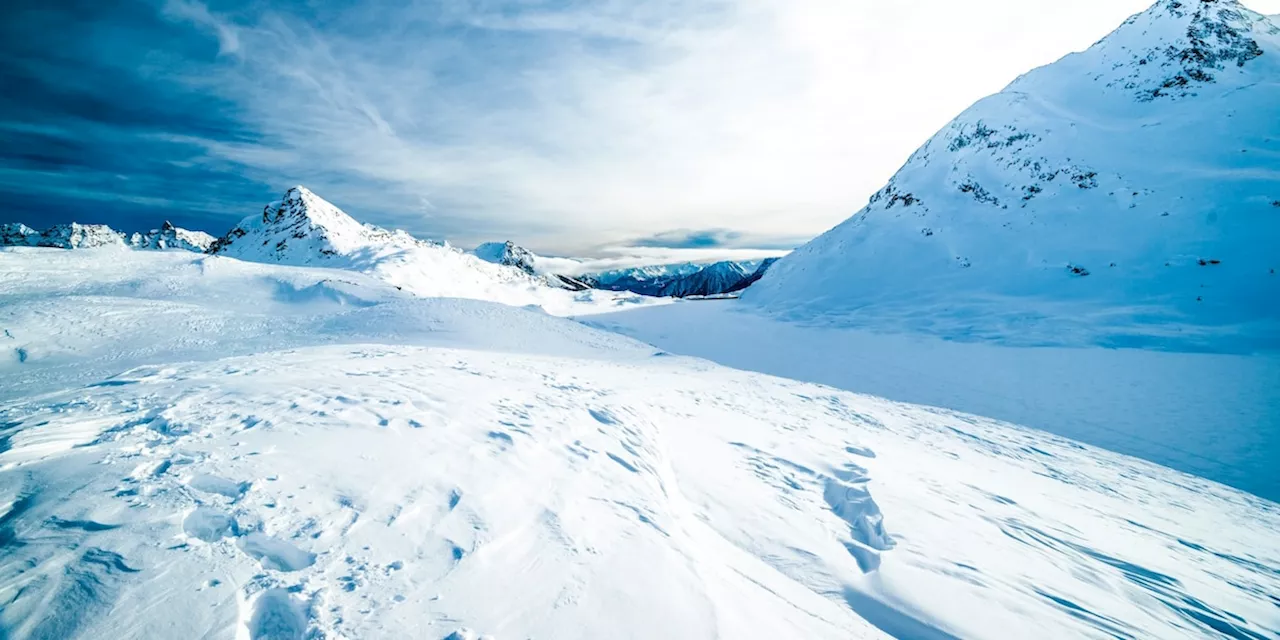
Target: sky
{"x": 567, "y": 126}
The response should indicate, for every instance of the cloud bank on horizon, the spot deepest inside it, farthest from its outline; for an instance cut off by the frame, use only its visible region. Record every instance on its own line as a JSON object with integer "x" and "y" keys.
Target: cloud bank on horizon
{"x": 565, "y": 125}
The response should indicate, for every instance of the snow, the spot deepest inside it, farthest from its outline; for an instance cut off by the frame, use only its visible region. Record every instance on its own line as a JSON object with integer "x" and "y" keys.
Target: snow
{"x": 197, "y": 446}
{"x": 1213, "y": 415}
{"x": 326, "y": 429}
{"x": 1104, "y": 163}
{"x": 66, "y": 236}
{"x": 303, "y": 229}
{"x": 169, "y": 237}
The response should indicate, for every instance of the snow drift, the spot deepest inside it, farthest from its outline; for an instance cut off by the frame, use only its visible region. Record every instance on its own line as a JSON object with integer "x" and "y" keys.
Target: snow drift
{"x": 197, "y": 446}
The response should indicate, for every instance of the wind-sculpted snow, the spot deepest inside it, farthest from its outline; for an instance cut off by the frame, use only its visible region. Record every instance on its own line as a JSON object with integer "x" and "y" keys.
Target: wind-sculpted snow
{"x": 373, "y": 464}
{"x": 1120, "y": 196}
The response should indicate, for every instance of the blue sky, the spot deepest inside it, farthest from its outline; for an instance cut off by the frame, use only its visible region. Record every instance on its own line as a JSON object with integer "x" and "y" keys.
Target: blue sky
{"x": 565, "y": 125}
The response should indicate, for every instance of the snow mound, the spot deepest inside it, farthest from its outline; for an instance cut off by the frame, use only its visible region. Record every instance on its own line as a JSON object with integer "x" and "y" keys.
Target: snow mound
{"x": 169, "y": 237}
{"x": 1124, "y": 195}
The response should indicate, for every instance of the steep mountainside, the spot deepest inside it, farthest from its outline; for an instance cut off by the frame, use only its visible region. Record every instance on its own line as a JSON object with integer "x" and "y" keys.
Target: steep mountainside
{"x": 1127, "y": 195}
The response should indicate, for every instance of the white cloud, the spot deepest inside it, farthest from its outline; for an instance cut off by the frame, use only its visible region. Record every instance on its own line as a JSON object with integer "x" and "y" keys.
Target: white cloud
{"x": 572, "y": 128}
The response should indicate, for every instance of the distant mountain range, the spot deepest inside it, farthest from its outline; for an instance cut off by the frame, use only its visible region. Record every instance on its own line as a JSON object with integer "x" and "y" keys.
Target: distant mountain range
{"x": 678, "y": 280}
{"x": 303, "y": 229}
{"x": 84, "y": 236}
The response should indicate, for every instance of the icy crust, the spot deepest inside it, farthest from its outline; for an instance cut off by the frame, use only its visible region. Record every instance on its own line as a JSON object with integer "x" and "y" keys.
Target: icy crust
{"x": 1071, "y": 209}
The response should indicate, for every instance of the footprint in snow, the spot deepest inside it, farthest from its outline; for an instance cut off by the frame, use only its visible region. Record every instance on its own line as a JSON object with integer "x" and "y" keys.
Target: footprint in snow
{"x": 276, "y": 615}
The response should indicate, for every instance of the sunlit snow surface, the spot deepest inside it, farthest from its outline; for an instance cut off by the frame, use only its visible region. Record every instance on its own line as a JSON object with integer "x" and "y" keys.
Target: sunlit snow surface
{"x": 200, "y": 447}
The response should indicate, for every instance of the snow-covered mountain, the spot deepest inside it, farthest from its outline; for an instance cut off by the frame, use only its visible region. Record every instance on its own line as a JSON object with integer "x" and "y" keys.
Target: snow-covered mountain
{"x": 303, "y": 229}
{"x": 200, "y": 447}
{"x": 16, "y": 234}
{"x": 1128, "y": 194}
{"x": 513, "y": 255}
{"x": 710, "y": 280}
{"x": 646, "y": 280}
{"x": 88, "y": 236}
{"x": 169, "y": 237}
{"x": 683, "y": 278}
{"x": 507, "y": 253}
{"x": 718, "y": 278}
{"x": 62, "y": 236}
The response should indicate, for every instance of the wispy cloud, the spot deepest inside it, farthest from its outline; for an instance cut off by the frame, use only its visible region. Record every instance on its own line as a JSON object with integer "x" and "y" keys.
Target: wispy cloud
{"x": 566, "y": 125}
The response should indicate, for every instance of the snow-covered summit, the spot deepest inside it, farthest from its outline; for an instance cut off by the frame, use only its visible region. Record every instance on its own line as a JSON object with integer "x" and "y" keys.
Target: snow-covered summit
{"x": 169, "y": 237}
{"x": 302, "y": 228}
{"x": 1125, "y": 195}
{"x": 74, "y": 235}
{"x": 1179, "y": 47}
{"x": 16, "y": 234}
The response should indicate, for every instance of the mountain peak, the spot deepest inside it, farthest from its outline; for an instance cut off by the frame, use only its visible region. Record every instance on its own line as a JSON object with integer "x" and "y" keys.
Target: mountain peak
{"x": 507, "y": 253}
{"x": 1177, "y": 47}
{"x": 302, "y": 228}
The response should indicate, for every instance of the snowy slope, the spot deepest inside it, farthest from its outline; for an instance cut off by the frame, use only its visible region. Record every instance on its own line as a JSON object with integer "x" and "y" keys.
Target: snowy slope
{"x": 169, "y": 237}
{"x": 1126, "y": 195}
{"x": 303, "y": 229}
{"x": 306, "y": 452}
